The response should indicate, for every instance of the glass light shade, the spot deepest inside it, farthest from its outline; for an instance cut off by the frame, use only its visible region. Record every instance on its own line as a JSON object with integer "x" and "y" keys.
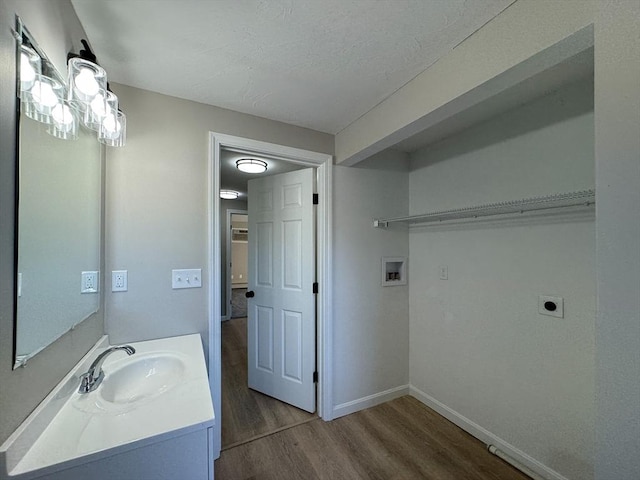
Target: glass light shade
{"x": 30, "y": 66}
{"x": 251, "y": 165}
{"x": 42, "y": 98}
{"x": 113, "y": 131}
{"x": 64, "y": 123}
{"x": 102, "y": 104}
{"x": 229, "y": 194}
{"x": 86, "y": 79}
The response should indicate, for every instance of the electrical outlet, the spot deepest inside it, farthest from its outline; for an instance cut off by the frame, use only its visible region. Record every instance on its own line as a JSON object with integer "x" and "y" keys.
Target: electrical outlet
{"x": 552, "y": 306}
{"x": 119, "y": 281}
{"x": 89, "y": 282}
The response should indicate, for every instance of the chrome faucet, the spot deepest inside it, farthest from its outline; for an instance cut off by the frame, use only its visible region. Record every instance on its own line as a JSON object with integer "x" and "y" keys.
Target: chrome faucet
{"x": 91, "y": 380}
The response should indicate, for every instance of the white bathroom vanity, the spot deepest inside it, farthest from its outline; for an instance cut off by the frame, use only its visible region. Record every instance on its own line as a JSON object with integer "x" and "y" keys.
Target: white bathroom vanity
{"x": 150, "y": 418}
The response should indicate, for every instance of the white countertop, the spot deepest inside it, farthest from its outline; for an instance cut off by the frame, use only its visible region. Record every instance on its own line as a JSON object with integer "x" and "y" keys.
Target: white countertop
{"x": 86, "y": 428}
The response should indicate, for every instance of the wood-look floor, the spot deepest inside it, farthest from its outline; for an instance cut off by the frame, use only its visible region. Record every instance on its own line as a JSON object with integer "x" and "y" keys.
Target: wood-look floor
{"x": 263, "y": 438}
{"x": 401, "y": 439}
{"x": 247, "y": 414}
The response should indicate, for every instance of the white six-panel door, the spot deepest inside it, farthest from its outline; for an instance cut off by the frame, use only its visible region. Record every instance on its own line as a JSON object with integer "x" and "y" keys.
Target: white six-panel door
{"x": 281, "y": 314}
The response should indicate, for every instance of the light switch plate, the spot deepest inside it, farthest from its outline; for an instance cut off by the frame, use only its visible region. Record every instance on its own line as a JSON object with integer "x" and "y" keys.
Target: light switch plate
{"x": 444, "y": 272}
{"x": 186, "y": 278}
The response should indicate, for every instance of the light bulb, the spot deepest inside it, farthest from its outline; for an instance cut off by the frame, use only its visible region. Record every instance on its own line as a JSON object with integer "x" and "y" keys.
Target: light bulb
{"x": 27, "y": 73}
{"x": 111, "y": 125}
{"x": 29, "y": 69}
{"x": 43, "y": 95}
{"x": 62, "y": 114}
{"x": 99, "y": 106}
{"x": 86, "y": 83}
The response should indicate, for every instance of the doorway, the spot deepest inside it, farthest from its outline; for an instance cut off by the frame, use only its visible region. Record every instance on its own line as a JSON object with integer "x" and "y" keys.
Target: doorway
{"x": 236, "y": 266}
{"x": 302, "y": 158}
{"x": 264, "y": 379}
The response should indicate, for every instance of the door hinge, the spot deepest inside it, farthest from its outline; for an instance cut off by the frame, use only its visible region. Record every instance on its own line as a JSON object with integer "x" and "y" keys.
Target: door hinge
{"x": 316, "y": 199}
{"x": 315, "y": 287}
{"x": 315, "y": 377}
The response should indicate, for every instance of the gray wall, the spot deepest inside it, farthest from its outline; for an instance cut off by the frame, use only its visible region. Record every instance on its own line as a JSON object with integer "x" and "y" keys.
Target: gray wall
{"x": 617, "y": 132}
{"x": 478, "y": 344}
{"x": 370, "y": 322}
{"x": 156, "y": 207}
{"x": 56, "y": 28}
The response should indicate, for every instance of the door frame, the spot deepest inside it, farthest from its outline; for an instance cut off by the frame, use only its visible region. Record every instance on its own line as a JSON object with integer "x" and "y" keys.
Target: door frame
{"x": 229, "y": 310}
{"x": 324, "y": 231}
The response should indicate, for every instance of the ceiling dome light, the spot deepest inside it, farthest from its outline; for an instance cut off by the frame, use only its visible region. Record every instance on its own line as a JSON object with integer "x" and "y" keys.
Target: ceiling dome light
{"x": 251, "y": 165}
{"x": 228, "y": 194}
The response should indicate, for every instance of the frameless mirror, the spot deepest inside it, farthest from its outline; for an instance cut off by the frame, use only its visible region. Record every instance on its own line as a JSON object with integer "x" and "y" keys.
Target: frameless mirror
{"x": 59, "y": 190}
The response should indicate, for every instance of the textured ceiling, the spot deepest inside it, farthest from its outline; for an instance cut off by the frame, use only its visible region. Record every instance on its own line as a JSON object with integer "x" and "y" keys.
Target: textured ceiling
{"x": 319, "y": 64}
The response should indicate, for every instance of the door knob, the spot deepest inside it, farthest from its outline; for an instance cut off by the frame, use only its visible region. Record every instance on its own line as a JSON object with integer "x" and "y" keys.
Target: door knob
{"x": 250, "y": 294}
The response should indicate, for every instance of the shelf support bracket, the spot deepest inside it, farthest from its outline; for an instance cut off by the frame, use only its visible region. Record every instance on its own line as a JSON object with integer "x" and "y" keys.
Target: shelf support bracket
{"x": 380, "y": 224}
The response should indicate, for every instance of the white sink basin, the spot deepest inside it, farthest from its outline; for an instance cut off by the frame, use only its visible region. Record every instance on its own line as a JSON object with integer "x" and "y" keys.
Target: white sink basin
{"x": 140, "y": 377}
{"x": 148, "y": 402}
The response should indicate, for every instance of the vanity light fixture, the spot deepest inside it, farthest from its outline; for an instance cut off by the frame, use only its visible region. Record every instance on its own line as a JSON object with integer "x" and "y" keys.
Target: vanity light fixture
{"x": 229, "y": 194}
{"x": 85, "y": 98}
{"x": 251, "y": 165}
{"x": 89, "y": 91}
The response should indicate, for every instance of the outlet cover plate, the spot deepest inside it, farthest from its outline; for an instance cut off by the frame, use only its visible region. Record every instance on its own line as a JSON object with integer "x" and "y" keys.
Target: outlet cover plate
{"x": 119, "y": 281}
{"x": 186, "y": 278}
{"x": 551, "y": 305}
{"x": 89, "y": 282}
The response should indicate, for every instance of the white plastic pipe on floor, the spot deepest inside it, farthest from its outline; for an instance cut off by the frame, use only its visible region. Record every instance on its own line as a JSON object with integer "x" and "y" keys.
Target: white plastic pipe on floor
{"x": 513, "y": 462}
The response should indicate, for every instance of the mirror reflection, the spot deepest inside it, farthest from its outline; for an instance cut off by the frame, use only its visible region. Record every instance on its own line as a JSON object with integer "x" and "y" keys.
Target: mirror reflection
{"x": 59, "y": 222}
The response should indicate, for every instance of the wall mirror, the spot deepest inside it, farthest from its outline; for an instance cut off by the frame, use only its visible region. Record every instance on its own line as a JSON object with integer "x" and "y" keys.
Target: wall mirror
{"x": 59, "y": 201}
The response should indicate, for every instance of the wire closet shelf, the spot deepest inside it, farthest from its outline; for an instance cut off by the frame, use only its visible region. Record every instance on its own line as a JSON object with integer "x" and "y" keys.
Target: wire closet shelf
{"x": 582, "y": 198}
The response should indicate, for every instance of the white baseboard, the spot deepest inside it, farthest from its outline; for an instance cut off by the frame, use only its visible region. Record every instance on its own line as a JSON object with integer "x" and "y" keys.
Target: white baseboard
{"x": 486, "y": 436}
{"x": 369, "y": 401}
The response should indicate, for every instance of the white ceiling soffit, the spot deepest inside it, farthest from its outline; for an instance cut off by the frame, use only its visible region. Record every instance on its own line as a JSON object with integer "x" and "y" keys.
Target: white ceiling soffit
{"x": 574, "y": 69}
{"x": 319, "y": 64}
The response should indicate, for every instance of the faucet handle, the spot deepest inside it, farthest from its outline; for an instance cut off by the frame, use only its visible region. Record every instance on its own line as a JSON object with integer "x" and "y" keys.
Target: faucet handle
{"x": 89, "y": 382}
{"x": 85, "y": 383}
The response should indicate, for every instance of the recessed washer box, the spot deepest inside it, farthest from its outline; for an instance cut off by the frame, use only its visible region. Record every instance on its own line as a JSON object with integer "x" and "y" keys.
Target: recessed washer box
{"x": 551, "y": 305}
{"x": 394, "y": 271}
